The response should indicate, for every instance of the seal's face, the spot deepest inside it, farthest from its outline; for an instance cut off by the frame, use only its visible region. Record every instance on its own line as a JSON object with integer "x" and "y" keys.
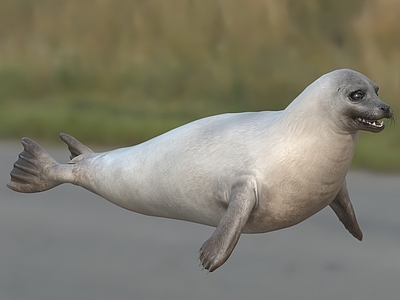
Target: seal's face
{"x": 361, "y": 104}
{"x": 369, "y": 110}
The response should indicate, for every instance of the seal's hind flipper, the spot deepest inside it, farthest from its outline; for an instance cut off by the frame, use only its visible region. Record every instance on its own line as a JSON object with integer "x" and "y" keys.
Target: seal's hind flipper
{"x": 34, "y": 171}
{"x": 74, "y": 146}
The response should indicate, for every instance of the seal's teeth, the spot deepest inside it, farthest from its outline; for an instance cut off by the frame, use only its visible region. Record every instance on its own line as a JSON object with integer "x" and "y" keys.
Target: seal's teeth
{"x": 375, "y": 123}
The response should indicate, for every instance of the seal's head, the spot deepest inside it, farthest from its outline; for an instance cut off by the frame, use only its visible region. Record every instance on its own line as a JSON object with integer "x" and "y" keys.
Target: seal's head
{"x": 360, "y": 101}
{"x": 357, "y": 102}
{"x": 343, "y": 100}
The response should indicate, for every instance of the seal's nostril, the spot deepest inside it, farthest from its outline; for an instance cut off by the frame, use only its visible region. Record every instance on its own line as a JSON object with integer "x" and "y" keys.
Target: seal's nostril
{"x": 384, "y": 107}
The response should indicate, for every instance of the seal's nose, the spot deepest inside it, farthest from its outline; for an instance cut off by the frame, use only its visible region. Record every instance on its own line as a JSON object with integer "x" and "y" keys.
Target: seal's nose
{"x": 386, "y": 110}
{"x": 384, "y": 107}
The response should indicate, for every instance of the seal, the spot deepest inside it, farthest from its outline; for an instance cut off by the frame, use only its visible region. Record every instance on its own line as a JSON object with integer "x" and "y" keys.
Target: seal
{"x": 250, "y": 172}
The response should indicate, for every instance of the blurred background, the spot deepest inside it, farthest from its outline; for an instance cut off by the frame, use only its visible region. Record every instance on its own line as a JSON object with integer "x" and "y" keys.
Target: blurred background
{"x": 119, "y": 72}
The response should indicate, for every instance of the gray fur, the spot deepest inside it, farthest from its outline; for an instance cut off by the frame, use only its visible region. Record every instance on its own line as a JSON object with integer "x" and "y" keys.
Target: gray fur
{"x": 242, "y": 173}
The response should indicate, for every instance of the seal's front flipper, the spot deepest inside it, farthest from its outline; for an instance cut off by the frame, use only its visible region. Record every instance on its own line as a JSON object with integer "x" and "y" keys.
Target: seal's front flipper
{"x": 343, "y": 208}
{"x": 74, "y": 146}
{"x": 217, "y": 249}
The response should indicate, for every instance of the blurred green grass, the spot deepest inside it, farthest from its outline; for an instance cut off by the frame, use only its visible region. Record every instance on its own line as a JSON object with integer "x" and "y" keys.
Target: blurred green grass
{"x": 120, "y": 72}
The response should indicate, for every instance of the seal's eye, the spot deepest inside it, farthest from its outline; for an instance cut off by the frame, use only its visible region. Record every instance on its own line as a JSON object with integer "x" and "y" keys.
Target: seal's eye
{"x": 357, "y": 95}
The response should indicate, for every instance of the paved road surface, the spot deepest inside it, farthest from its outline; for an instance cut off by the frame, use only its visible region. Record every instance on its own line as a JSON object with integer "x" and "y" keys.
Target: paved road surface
{"x": 70, "y": 244}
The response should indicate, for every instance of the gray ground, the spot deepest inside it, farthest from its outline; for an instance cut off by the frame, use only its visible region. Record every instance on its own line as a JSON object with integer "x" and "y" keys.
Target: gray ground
{"x": 70, "y": 244}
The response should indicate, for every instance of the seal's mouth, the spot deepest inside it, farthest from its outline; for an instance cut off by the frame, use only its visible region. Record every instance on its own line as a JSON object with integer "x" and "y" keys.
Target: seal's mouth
{"x": 370, "y": 125}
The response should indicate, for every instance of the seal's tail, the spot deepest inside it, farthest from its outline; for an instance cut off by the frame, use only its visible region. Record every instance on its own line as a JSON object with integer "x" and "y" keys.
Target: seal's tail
{"x": 34, "y": 171}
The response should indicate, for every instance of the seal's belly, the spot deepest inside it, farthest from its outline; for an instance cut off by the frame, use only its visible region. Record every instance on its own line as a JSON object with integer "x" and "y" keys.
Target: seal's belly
{"x": 286, "y": 214}
{"x": 299, "y": 186}
{"x": 291, "y": 202}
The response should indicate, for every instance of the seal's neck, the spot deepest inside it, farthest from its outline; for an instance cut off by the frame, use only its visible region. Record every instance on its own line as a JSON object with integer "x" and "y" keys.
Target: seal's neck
{"x": 310, "y": 114}
{"x": 311, "y": 134}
